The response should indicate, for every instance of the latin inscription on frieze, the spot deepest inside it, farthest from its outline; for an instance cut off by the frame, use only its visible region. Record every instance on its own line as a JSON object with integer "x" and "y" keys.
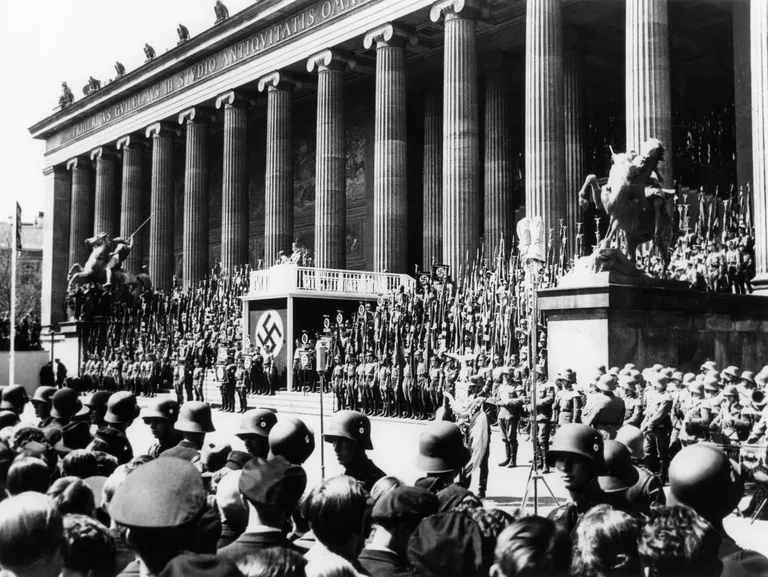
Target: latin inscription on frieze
{"x": 250, "y": 47}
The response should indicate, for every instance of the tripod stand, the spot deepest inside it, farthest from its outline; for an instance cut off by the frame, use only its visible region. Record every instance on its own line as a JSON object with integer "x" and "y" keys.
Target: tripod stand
{"x": 534, "y": 475}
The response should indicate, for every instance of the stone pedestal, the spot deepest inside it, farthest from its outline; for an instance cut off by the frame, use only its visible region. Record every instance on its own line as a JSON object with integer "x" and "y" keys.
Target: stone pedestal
{"x": 461, "y": 132}
{"x": 58, "y": 190}
{"x": 234, "y": 182}
{"x": 106, "y": 196}
{"x": 544, "y": 113}
{"x": 432, "y": 237}
{"x": 330, "y": 166}
{"x": 612, "y": 320}
{"x": 278, "y": 201}
{"x": 759, "y": 68}
{"x": 195, "y": 235}
{"x": 132, "y": 207}
{"x": 648, "y": 100}
{"x": 161, "y": 263}
{"x": 81, "y": 213}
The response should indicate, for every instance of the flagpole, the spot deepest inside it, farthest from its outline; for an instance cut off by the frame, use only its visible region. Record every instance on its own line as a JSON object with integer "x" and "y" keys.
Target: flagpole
{"x": 13, "y": 247}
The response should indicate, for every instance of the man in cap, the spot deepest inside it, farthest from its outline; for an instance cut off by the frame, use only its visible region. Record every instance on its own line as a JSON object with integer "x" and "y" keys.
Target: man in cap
{"x": 606, "y": 413}
{"x": 160, "y": 416}
{"x": 74, "y": 435}
{"x": 577, "y": 456}
{"x": 194, "y": 423}
{"x": 255, "y": 426}
{"x": 703, "y": 478}
{"x": 633, "y": 405}
{"x": 41, "y": 401}
{"x": 568, "y": 403}
{"x": 350, "y": 434}
{"x": 14, "y": 398}
{"x": 731, "y": 420}
{"x": 98, "y": 408}
{"x": 648, "y": 490}
{"x": 161, "y": 504}
{"x": 510, "y": 403}
{"x": 730, "y": 375}
{"x": 657, "y": 427}
{"x": 395, "y": 517}
{"x": 292, "y": 439}
{"x": 271, "y": 490}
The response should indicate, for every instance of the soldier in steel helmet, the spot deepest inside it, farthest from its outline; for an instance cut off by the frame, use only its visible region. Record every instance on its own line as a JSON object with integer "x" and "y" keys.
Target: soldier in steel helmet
{"x": 255, "y": 426}
{"x": 350, "y": 434}
{"x": 657, "y": 427}
{"x": 160, "y": 417}
{"x": 648, "y": 490}
{"x": 606, "y": 413}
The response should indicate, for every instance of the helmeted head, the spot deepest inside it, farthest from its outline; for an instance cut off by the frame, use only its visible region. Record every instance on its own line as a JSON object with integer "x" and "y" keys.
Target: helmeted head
{"x": 441, "y": 448}
{"x": 195, "y": 417}
{"x": 350, "y": 434}
{"x": 632, "y": 438}
{"x": 291, "y": 438}
{"x": 577, "y": 455}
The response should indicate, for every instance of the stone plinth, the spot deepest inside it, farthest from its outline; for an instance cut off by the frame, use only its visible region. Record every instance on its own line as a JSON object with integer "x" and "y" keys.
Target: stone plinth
{"x": 613, "y": 320}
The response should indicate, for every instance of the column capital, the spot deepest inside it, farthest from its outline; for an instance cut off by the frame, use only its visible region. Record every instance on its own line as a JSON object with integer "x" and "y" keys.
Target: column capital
{"x": 330, "y": 59}
{"x": 105, "y": 152}
{"x": 278, "y": 80}
{"x": 159, "y": 129}
{"x": 196, "y": 115}
{"x": 449, "y": 9}
{"x": 233, "y": 99}
{"x": 131, "y": 141}
{"x": 78, "y": 162}
{"x": 389, "y": 35}
{"x": 49, "y": 170}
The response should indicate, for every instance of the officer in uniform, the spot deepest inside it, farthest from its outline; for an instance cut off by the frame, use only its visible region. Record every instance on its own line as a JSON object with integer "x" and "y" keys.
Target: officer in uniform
{"x": 510, "y": 403}
{"x": 606, "y": 414}
{"x": 241, "y": 384}
{"x": 255, "y": 426}
{"x": 194, "y": 423}
{"x": 161, "y": 416}
{"x": 257, "y": 373}
{"x": 577, "y": 456}
{"x": 657, "y": 428}
{"x": 270, "y": 374}
{"x": 545, "y": 399}
{"x": 350, "y": 434}
{"x": 567, "y": 405}
{"x": 228, "y": 384}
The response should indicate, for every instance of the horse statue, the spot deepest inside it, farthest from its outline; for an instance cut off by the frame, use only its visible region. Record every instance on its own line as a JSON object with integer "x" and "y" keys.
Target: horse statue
{"x": 635, "y": 201}
{"x": 103, "y": 265}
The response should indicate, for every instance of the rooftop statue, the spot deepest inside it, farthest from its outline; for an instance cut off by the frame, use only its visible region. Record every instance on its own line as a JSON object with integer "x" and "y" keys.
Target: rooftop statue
{"x": 66, "y": 97}
{"x": 635, "y": 201}
{"x": 104, "y": 263}
{"x": 119, "y": 69}
{"x": 149, "y": 51}
{"x": 183, "y": 33}
{"x": 221, "y": 11}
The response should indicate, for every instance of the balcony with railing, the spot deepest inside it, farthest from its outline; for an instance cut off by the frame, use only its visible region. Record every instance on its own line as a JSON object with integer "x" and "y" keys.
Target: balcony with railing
{"x": 294, "y": 280}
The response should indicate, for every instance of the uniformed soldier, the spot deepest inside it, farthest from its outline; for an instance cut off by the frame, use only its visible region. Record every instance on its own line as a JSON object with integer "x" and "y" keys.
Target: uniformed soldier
{"x": 696, "y": 417}
{"x": 161, "y": 416}
{"x": 545, "y": 400}
{"x": 384, "y": 386}
{"x": 179, "y": 370}
{"x": 577, "y": 456}
{"x": 657, "y": 428}
{"x": 241, "y": 384}
{"x": 228, "y": 385}
{"x": 731, "y": 420}
{"x": 350, "y": 383}
{"x": 407, "y": 388}
{"x": 370, "y": 405}
{"x": 633, "y": 405}
{"x": 257, "y": 373}
{"x": 337, "y": 382}
{"x": 606, "y": 414}
{"x": 41, "y": 401}
{"x": 510, "y": 403}
{"x": 198, "y": 379}
{"x": 422, "y": 396}
{"x": 271, "y": 376}
{"x": 194, "y": 423}
{"x": 98, "y": 408}
{"x": 568, "y": 403}
{"x": 395, "y": 384}
{"x": 291, "y": 438}
{"x": 350, "y": 434}
{"x": 255, "y": 426}
{"x": 648, "y": 490}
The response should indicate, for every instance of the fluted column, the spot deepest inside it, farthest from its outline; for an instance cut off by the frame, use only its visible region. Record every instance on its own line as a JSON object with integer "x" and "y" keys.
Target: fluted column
{"x": 649, "y": 105}
{"x": 575, "y": 153}
{"x": 161, "y": 258}
{"x": 742, "y": 94}
{"x": 56, "y": 226}
{"x": 132, "y": 205}
{"x": 759, "y": 57}
{"x": 498, "y": 161}
{"x": 432, "y": 236}
{"x": 106, "y": 197}
{"x": 390, "y": 178}
{"x": 234, "y": 184}
{"x": 330, "y": 165}
{"x": 81, "y": 213}
{"x": 544, "y": 113}
{"x": 195, "y": 235}
{"x": 278, "y": 201}
{"x": 461, "y": 132}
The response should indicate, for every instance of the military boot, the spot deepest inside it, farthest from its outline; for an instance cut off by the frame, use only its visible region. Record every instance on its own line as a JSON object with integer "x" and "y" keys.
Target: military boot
{"x": 506, "y": 461}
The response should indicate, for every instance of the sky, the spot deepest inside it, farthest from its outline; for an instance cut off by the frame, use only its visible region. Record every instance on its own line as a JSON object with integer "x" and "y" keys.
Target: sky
{"x": 45, "y": 42}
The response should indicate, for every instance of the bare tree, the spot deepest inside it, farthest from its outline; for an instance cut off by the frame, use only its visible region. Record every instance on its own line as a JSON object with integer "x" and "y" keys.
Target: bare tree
{"x": 28, "y": 282}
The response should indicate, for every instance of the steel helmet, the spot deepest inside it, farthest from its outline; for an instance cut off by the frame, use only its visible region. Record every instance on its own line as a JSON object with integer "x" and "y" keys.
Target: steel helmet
{"x": 257, "y": 422}
{"x": 576, "y": 439}
{"x": 631, "y": 437}
{"x": 441, "y": 448}
{"x": 195, "y": 417}
{"x": 351, "y": 425}
{"x": 292, "y": 439}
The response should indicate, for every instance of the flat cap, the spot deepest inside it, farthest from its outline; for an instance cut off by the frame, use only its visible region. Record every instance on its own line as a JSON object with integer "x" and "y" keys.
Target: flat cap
{"x": 163, "y": 493}
{"x": 405, "y": 504}
{"x": 274, "y": 483}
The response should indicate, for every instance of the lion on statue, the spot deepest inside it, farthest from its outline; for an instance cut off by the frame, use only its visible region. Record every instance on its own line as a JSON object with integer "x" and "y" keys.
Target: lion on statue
{"x": 635, "y": 201}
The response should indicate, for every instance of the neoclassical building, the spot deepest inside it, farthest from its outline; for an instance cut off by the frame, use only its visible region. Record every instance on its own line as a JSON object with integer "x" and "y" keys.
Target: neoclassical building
{"x": 386, "y": 133}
